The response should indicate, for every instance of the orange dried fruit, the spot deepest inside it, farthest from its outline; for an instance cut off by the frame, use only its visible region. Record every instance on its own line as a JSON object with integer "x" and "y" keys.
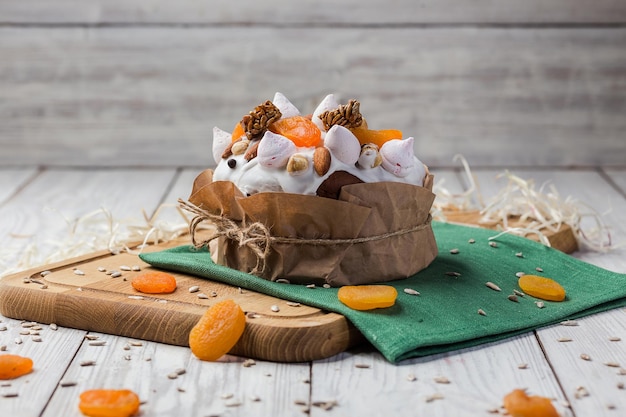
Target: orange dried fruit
{"x": 109, "y": 403}
{"x": 519, "y": 404}
{"x": 14, "y": 366}
{"x": 217, "y": 331}
{"x": 238, "y": 132}
{"x": 300, "y": 130}
{"x": 154, "y": 282}
{"x": 378, "y": 137}
{"x": 541, "y": 287}
{"x": 367, "y": 297}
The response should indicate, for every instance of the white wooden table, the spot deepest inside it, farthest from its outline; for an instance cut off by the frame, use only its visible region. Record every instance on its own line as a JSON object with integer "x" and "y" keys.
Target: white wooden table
{"x": 33, "y": 202}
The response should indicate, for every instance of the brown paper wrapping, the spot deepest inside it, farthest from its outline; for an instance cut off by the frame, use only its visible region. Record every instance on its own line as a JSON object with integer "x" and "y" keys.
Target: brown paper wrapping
{"x": 360, "y": 221}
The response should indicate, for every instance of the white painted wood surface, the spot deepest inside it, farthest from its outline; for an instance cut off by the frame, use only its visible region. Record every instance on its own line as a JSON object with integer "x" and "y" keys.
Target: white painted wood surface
{"x": 479, "y": 377}
{"x": 325, "y": 12}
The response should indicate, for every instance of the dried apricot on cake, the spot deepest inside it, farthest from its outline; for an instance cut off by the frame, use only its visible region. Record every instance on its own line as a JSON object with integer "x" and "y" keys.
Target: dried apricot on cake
{"x": 109, "y": 403}
{"x": 217, "y": 331}
{"x": 378, "y": 137}
{"x": 14, "y": 366}
{"x": 542, "y": 287}
{"x": 367, "y": 297}
{"x": 154, "y": 282}
{"x": 300, "y": 130}
{"x": 519, "y": 404}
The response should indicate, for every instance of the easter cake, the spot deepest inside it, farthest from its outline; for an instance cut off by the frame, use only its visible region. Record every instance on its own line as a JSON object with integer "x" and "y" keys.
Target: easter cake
{"x": 314, "y": 199}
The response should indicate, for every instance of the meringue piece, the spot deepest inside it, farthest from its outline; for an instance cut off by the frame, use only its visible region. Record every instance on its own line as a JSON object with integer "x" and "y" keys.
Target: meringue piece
{"x": 274, "y": 150}
{"x": 329, "y": 103}
{"x": 297, "y": 164}
{"x": 343, "y": 144}
{"x": 284, "y": 105}
{"x": 370, "y": 156}
{"x": 221, "y": 140}
{"x": 398, "y": 157}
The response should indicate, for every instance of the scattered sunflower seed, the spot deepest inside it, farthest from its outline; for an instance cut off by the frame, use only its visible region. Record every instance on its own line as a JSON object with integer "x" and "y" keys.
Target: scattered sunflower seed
{"x": 135, "y": 297}
{"x": 127, "y": 357}
{"x": 513, "y": 297}
{"x": 248, "y": 363}
{"x": 9, "y": 394}
{"x": 126, "y": 347}
{"x": 361, "y": 365}
{"x": 293, "y": 304}
{"x": 300, "y": 402}
{"x": 520, "y": 274}
{"x": 97, "y": 343}
{"x": 481, "y": 312}
{"x": 172, "y": 375}
{"x": 125, "y": 268}
{"x": 585, "y": 357}
{"x": 621, "y": 371}
{"x": 67, "y": 383}
{"x": 36, "y": 339}
{"x": 311, "y": 286}
{"x": 539, "y": 269}
{"x": 26, "y": 280}
{"x": 453, "y": 274}
{"x": 454, "y": 251}
{"x": 3, "y": 348}
{"x": 614, "y": 339}
{"x": 612, "y": 364}
{"x": 441, "y": 380}
{"x": 518, "y": 293}
{"x": 252, "y": 315}
{"x": 78, "y": 272}
{"x": 569, "y": 323}
{"x": 102, "y": 269}
{"x": 493, "y": 244}
{"x": 471, "y": 241}
{"x": 493, "y": 286}
{"x": 433, "y": 397}
{"x": 540, "y": 304}
{"x": 181, "y": 371}
{"x": 326, "y": 286}
{"x": 202, "y": 296}
{"x": 227, "y": 396}
{"x": 411, "y": 377}
{"x": 564, "y": 339}
{"x": 43, "y": 287}
{"x": 87, "y": 363}
{"x": 24, "y": 332}
{"x": 180, "y": 389}
{"x": 522, "y": 366}
{"x": 275, "y": 308}
{"x": 255, "y": 398}
{"x": 581, "y": 392}
{"x": 283, "y": 281}
{"x": 194, "y": 288}
{"x": 325, "y": 405}
{"x": 411, "y": 291}
{"x": 44, "y": 273}
{"x": 213, "y": 294}
{"x": 18, "y": 341}
{"x": 620, "y": 385}
{"x": 519, "y": 254}
{"x": 136, "y": 343}
{"x": 53, "y": 326}
{"x": 92, "y": 337}
{"x": 135, "y": 268}
{"x": 116, "y": 274}
{"x": 3, "y": 328}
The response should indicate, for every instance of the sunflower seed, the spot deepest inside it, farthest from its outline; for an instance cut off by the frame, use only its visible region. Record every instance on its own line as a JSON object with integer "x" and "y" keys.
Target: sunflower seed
{"x": 24, "y": 332}
{"x": 411, "y": 377}
{"x": 18, "y": 341}
{"x": 293, "y": 304}
{"x": 326, "y": 286}
{"x": 585, "y": 357}
{"x": 36, "y": 339}
{"x": 569, "y": 323}
{"x": 325, "y": 405}
{"x": 87, "y": 363}
{"x": 493, "y": 244}
{"x": 135, "y": 268}
{"x": 92, "y": 337}
{"x": 227, "y": 396}
{"x": 172, "y": 375}
{"x": 433, "y": 397}
{"x": 97, "y": 343}
{"x": 441, "y": 380}
{"x": 3, "y": 348}
{"x": 481, "y": 312}
{"x": 135, "y": 297}
{"x": 44, "y": 273}
{"x": 127, "y": 357}
{"x": 194, "y": 288}
{"x": 361, "y": 365}
{"x": 9, "y": 394}
{"x": 136, "y": 343}
{"x": 471, "y": 241}
{"x": 53, "y": 326}
{"x": 411, "y": 291}
{"x": 3, "y": 328}
{"x": 68, "y": 383}
{"x": 255, "y": 398}
{"x": 620, "y": 385}
{"x": 581, "y": 392}
{"x": 125, "y": 268}
{"x": 454, "y": 251}
{"x": 116, "y": 274}
{"x": 513, "y": 298}
{"x": 614, "y": 339}
{"x": 453, "y": 274}
{"x": 248, "y": 363}
{"x": 102, "y": 269}
{"x": 202, "y": 296}
{"x": 283, "y": 281}
{"x": 612, "y": 364}
{"x": 492, "y": 286}
{"x": 78, "y": 272}
{"x": 519, "y": 254}
{"x": 540, "y": 304}
{"x": 213, "y": 294}
{"x": 563, "y": 339}
{"x": 311, "y": 286}
{"x": 539, "y": 269}
{"x": 275, "y": 308}
{"x": 520, "y": 274}
{"x": 621, "y": 371}
{"x": 522, "y": 366}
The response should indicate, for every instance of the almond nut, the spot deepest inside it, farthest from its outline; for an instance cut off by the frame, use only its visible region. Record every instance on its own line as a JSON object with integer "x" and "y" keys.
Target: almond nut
{"x": 321, "y": 160}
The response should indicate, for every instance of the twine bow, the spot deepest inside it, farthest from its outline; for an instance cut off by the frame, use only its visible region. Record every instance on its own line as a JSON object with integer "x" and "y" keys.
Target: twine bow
{"x": 258, "y": 239}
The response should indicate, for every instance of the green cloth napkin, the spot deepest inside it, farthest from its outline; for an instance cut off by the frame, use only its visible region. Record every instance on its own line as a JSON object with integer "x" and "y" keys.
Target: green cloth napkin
{"x": 445, "y": 315}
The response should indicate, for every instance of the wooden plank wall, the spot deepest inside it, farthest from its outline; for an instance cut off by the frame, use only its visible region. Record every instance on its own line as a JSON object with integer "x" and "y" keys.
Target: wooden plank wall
{"x": 135, "y": 82}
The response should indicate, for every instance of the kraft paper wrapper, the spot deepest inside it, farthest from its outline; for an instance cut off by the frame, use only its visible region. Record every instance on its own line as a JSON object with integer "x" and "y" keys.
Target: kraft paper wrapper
{"x": 363, "y": 210}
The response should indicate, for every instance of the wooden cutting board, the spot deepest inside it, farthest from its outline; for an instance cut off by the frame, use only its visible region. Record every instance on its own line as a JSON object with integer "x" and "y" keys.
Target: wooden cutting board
{"x": 97, "y": 302}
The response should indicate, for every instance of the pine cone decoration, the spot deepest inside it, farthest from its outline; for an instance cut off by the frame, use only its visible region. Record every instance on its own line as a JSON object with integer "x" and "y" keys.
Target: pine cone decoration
{"x": 255, "y": 123}
{"x": 346, "y": 115}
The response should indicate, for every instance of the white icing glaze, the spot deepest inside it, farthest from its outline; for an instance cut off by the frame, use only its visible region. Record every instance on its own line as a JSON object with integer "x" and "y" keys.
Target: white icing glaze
{"x": 267, "y": 171}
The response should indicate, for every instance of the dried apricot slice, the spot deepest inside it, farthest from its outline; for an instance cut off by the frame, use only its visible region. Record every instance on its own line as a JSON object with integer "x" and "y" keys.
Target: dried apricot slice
{"x": 541, "y": 287}
{"x": 238, "y": 132}
{"x": 378, "y": 137}
{"x": 300, "y": 130}
{"x": 519, "y": 404}
{"x": 109, "y": 403}
{"x": 367, "y": 297}
{"x": 154, "y": 282}
{"x": 217, "y": 331}
{"x": 13, "y": 366}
